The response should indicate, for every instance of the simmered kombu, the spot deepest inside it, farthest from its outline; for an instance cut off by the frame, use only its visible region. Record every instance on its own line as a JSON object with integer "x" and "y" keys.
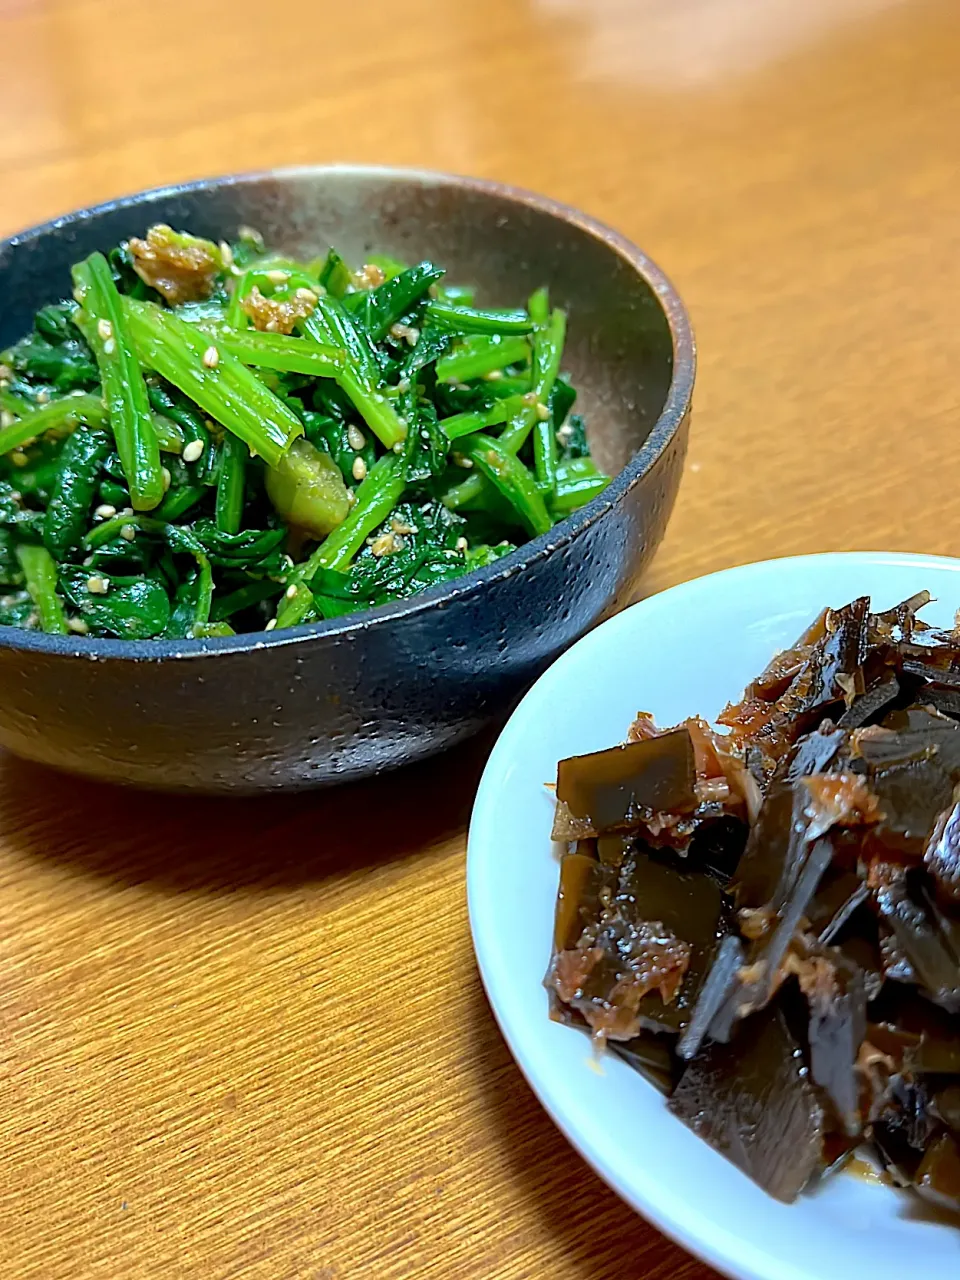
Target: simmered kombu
{"x": 766, "y": 921}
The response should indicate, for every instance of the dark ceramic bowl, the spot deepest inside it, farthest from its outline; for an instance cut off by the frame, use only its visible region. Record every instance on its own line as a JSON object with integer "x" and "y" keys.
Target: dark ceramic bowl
{"x": 341, "y": 699}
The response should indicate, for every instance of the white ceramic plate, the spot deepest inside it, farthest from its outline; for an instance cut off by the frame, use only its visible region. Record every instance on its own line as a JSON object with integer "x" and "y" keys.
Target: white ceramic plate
{"x": 690, "y": 649}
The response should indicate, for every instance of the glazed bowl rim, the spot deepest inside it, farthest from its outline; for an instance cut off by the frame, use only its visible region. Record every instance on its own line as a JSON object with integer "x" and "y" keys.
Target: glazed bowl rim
{"x": 661, "y": 433}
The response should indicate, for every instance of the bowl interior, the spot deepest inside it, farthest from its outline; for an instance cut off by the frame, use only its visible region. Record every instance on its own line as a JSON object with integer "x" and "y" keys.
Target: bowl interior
{"x": 619, "y": 349}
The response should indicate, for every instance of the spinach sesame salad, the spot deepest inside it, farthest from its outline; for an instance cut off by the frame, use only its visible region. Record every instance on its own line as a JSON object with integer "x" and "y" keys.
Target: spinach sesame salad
{"x": 211, "y": 438}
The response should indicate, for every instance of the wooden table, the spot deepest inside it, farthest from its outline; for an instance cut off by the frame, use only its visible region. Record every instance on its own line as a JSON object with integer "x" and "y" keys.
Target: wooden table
{"x": 248, "y": 1040}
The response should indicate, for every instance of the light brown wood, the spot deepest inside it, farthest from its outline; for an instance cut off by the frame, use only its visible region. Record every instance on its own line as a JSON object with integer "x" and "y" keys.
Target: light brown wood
{"x": 248, "y": 1040}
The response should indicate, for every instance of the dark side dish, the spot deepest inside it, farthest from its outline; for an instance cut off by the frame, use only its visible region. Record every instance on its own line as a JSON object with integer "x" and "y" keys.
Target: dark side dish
{"x": 211, "y": 438}
{"x": 766, "y": 920}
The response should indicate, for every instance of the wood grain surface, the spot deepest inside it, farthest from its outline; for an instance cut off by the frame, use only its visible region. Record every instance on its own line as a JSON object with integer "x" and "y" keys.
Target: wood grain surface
{"x": 248, "y": 1039}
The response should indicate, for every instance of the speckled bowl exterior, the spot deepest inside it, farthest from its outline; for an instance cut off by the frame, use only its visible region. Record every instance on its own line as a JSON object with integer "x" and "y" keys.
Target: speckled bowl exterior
{"x": 342, "y": 699}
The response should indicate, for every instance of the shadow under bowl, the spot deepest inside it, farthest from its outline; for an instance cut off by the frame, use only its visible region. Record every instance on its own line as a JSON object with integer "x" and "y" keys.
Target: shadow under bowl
{"x": 346, "y": 698}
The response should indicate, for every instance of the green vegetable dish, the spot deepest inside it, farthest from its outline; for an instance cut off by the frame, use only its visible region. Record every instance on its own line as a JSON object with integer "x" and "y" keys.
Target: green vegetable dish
{"x": 211, "y": 439}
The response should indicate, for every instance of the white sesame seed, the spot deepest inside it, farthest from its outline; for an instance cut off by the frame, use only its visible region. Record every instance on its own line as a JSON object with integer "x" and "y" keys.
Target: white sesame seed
{"x": 461, "y": 461}
{"x": 105, "y": 511}
{"x": 78, "y": 626}
{"x": 368, "y": 277}
{"x": 105, "y": 329}
{"x": 543, "y": 413}
{"x": 167, "y": 478}
{"x": 192, "y": 451}
{"x": 398, "y": 448}
{"x": 278, "y": 277}
{"x": 405, "y": 332}
{"x": 125, "y": 511}
{"x": 110, "y": 346}
{"x": 386, "y": 544}
{"x": 43, "y": 397}
{"x": 291, "y": 591}
{"x": 5, "y": 371}
{"x": 351, "y": 497}
{"x": 250, "y": 234}
{"x": 226, "y": 254}
{"x": 494, "y": 375}
{"x": 270, "y": 625}
{"x": 211, "y": 358}
{"x": 307, "y": 295}
{"x": 359, "y": 469}
{"x": 356, "y": 438}
{"x": 128, "y": 532}
{"x": 462, "y": 544}
{"x": 19, "y": 458}
{"x": 403, "y": 384}
{"x": 98, "y": 585}
{"x": 7, "y": 419}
